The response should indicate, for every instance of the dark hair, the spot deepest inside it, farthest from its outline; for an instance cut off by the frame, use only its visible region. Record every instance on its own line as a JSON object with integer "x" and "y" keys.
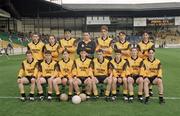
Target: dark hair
{"x": 117, "y": 51}
{"x": 122, "y": 33}
{"x": 100, "y": 50}
{"x": 67, "y": 30}
{"x": 134, "y": 48}
{"x": 151, "y": 49}
{"x": 83, "y": 49}
{"x": 104, "y": 27}
{"x": 47, "y": 52}
{"x": 35, "y": 33}
{"x": 145, "y": 32}
{"x": 65, "y": 50}
{"x": 52, "y": 36}
{"x": 28, "y": 52}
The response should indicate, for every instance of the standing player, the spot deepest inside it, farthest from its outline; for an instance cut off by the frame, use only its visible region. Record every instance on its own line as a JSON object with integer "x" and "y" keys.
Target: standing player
{"x": 82, "y": 73}
{"x": 153, "y": 75}
{"x": 101, "y": 73}
{"x": 53, "y": 46}
{"x": 36, "y": 47}
{"x": 119, "y": 67}
{"x": 143, "y": 47}
{"x": 27, "y": 74}
{"x": 87, "y": 44}
{"x": 47, "y": 72}
{"x": 123, "y": 45}
{"x": 104, "y": 43}
{"x": 136, "y": 74}
{"x": 68, "y": 43}
{"x": 65, "y": 75}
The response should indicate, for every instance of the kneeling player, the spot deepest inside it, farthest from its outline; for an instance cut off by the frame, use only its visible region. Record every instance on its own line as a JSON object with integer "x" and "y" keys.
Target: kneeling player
{"x": 101, "y": 73}
{"x": 27, "y": 74}
{"x": 153, "y": 75}
{"x": 46, "y": 75}
{"x": 136, "y": 74}
{"x": 119, "y": 67}
{"x": 65, "y": 67}
{"x": 82, "y": 73}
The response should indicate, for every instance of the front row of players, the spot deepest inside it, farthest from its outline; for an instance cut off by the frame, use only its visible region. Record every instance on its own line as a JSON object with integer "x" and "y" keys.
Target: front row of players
{"x": 89, "y": 72}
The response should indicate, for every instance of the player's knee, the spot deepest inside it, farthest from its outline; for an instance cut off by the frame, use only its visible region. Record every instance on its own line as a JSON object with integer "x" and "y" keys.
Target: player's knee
{"x": 140, "y": 81}
{"x": 64, "y": 81}
{"x": 109, "y": 81}
{"x": 19, "y": 81}
{"x": 146, "y": 81}
{"x": 130, "y": 80}
{"x": 159, "y": 81}
{"x": 33, "y": 80}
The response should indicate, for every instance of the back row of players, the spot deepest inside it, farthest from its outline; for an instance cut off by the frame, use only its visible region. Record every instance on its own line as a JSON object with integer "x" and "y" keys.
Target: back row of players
{"x": 128, "y": 66}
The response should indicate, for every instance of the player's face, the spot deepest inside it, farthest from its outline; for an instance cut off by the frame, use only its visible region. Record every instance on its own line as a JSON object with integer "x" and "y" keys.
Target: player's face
{"x": 29, "y": 56}
{"x": 67, "y": 34}
{"x": 35, "y": 38}
{"x": 52, "y": 40}
{"x": 151, "y": 54}
{"x": 118, "y": 55}
{"x": 134, "y": 52}
{"x": 100, "y": 55}
{"x": 83, "y": 54}
{"x": 104, "y": 32}
{"x": 65, "y": 55}
{"x": 48, "y": 57}
{"x": 86, "y": 36}
{"x": 122, "y": 36}
{"x": 145, "y": 36}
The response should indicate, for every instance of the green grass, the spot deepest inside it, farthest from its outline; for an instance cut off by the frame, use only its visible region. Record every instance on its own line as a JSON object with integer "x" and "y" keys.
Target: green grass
{"x": 13, "y": 107}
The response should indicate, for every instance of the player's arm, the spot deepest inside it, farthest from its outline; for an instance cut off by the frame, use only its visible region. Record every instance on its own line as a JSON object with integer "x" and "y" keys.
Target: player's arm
{"x": 109, "y": 67}
{"x": 74, "y": 70}
{"x": 35, "y": 74}
{"x": 91, "y": 69}
{"x": 73, "y": 48}
{"x": 141, "y": 72}
{"x": 39, "y": 70}
{"x": 61, "y": 48}
{"x": 127, "y": 70}
{"x": 21, "y": 71}
{"x": 159, "y": 75}
{"x": 55, "y": 73}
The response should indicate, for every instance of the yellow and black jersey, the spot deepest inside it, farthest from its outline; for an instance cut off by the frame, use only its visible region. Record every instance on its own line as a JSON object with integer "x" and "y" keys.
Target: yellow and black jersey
{"x": 68, "y": 44}
{"x": 119, "y": 68}
{"x": 124, "y": 47}
{"x": 28, "y": 68}
{"x": 47, "y": 69}
{"x": 135, "y": 66}
{"x": 143, "y": 48}
{"x": 65, "y": 68}
{"x": 152, "y": 68}
{"x": 36, "y": 49}
{"x": 105, "y": 44}
{"x": 100, "y": 68}
{"x": 54, "y": 50}
{"x": 82, "y": 67}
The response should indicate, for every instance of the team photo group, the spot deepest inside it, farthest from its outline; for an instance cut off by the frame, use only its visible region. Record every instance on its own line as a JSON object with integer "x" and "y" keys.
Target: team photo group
{"x": 84, "y": 65}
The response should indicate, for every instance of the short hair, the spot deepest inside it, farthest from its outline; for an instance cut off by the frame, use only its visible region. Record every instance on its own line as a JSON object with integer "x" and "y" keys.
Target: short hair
{"x": 28, "y": 52}
{"x": 122, "y": 33}
{"x": 52, "y": 36}
{"x": 145, "y": 32}
{"x": 99, "y": 50}
{"x": 47, "y": 52}
{"x": 117, "y": 51}
{"x": 83, "y": 50}
{"x": 134, "y": 48}
{"x": 104, "y": 27}
{"x": 67, "y": 30}
{"x": 85, "y": 31}
{"x": 65, "y": 50}
{"x": 35, "y": 33}
{"x": 151, "y": 49}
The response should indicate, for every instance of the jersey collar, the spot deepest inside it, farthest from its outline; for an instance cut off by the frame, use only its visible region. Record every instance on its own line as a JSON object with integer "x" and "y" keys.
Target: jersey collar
{"x": 30, "y": 62}
{"x": 116, "y": 60}
{"x": 99, "y": 61}
{"x": 152, "y": 60}
{"x": 66, "y": 61}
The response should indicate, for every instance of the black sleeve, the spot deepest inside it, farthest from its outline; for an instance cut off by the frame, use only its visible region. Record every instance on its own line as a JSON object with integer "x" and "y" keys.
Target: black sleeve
{"x": 40, "y": 67}
{"x": 115, "y": 47}
{"x": 43, "y": 49}
{"x": 138, "y": 47}
{"x": 22, "y": 65}
{"x": 110, "y": 65}
{"x": 92, "y": 64}
{"x": 79, "y": 47}
{"x": 93, "y": 47}
{"x": 28, "y": 48}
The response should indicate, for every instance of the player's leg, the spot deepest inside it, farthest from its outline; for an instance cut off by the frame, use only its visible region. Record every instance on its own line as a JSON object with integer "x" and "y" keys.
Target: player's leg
{"x": 70, "y": 81}
{"x": 150, "y": 90}
{"x": 21, "y": 82}
{"x": 130, "y": 81}
{"x": 50, "y": 88}
{"x": 125, "y": 88}
{"x": 108, "y": 82}
{"x": 139, "y": 81}
{"x": 76, "y": 83}
{"x": 88, "y": 83}
{"x": 146, "y": 89}
{"x": 94, "y": 86}
{"x": 56, "y": 83}
{"x": 39, "y": 82}
{"x": 159, "y": 83}
{"x": 114, "y": 86}
{"x": 32, "y": 88}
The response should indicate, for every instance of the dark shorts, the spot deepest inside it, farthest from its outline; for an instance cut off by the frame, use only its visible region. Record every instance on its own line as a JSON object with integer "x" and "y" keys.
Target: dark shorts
{"x": 135, "y": 77}
{"x": 151, "y": 79}
{"x": 101, "y": 78}
{"x": 46, "y": 78}
{"x": 82, "y": 79}
{"x": 29, "y": 78}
